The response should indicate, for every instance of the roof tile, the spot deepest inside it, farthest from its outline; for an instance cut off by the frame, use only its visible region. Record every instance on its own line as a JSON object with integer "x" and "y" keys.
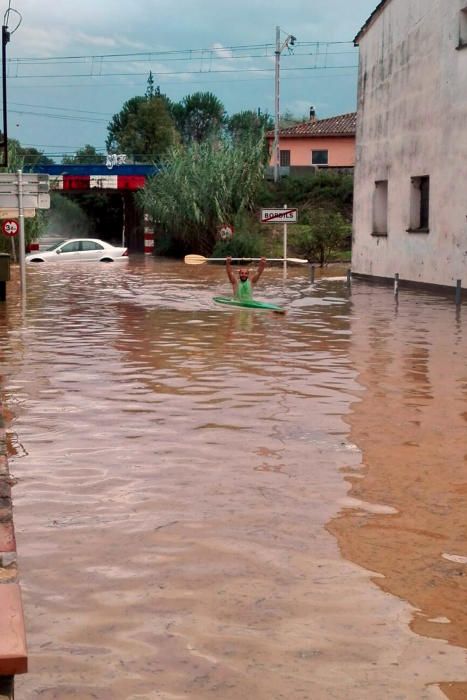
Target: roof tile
{"x": 342, "y": 125}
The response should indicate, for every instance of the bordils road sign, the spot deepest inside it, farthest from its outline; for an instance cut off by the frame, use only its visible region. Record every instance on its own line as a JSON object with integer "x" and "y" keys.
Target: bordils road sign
{"x": 279, "y": 216}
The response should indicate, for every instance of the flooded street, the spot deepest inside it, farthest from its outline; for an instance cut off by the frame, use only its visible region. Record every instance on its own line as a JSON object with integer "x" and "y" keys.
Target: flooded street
{"x": 233, "y": 504}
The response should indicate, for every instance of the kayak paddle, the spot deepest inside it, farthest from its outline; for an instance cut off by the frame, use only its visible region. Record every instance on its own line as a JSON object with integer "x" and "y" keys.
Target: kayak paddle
{"x": 200, "y": 259}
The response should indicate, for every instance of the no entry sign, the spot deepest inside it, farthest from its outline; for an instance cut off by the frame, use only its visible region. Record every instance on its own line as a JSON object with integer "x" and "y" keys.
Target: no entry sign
{"x": 279, "y": 216}
{"x": 10, "y": 227}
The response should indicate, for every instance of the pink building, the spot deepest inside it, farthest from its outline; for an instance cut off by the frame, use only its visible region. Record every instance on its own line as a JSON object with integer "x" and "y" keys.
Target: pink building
{"x": 318, "y": 143}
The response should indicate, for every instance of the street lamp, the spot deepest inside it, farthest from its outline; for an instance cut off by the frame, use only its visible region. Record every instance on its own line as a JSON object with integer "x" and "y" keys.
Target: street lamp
{"x": 289, "y": 41}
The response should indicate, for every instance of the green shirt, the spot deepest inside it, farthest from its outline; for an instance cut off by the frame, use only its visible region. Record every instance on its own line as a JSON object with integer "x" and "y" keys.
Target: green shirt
{"x": 244, "y": 291}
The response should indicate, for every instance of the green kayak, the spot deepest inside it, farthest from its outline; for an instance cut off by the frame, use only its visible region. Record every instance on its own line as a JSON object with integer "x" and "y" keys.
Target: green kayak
{"x": 250, "y": 304}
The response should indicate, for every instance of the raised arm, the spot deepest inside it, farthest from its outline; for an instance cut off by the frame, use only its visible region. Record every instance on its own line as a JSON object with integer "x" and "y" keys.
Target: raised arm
{"x": 259, "y": 271}
{"x": 230, "y": 274}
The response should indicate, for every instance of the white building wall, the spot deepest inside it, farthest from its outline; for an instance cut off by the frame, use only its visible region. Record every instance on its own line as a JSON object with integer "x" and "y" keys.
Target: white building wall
{"x": 412, "y": 122}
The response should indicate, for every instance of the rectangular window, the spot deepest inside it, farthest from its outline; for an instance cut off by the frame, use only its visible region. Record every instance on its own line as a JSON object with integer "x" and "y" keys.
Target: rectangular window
{"x": 420, "y": 204}
{"x": 463, "y": 28}
{"x": 380, "y": 208}
{"x": 285, "y": 159}
{"x": 319, "y": 157}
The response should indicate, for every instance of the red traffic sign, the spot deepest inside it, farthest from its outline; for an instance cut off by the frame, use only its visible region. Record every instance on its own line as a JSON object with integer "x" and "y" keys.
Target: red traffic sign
{"x": 10, "y": 227}
{"x": 225, "y": 232}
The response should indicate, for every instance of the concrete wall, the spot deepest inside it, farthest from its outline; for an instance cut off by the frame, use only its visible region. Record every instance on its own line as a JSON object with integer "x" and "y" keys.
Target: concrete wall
{"x": 412, "y": 122}
{"x": 341, "y": 150}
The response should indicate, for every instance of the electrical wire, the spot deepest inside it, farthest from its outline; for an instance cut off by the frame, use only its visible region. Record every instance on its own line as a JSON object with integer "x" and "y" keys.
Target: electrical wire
{"x": 6, "y": 17}
{"x": 68, "y": 109}
{"x": 206, "y": 56}
{"x": 148, "y": 55}
{"x": 215, "y": 57}
{"x": 224, "y": 82}
{"x": 183, "y": 72}
{"x": 63, "y": 117}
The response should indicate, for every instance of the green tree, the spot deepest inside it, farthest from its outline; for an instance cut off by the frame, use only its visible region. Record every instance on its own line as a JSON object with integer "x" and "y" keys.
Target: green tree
{"x": 152, "y": 90}
{"x": 87, "y": 155}
{"x": 21, "y": 158}
{"x": 143, "y": 129}
{"x": 199, "y": 116}
{"x": 288, "y": 119}
{"x": 247, "y": 123}
{"x": 250, "y": 124}
{"x": 15, "y": 157}
{"x": 324, "y": 231}
{"x": 201, "y": 187}
{"x": 32, "y": 157}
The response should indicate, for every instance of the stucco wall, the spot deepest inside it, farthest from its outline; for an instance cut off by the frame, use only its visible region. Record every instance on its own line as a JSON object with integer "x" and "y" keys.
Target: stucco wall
{"x": 412, "y": 121}
{"x": 341, "y": 150}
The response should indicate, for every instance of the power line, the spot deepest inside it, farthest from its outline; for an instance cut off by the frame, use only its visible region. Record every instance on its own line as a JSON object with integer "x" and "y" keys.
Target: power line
{"x": 63, "y": 117}
{"x": 318, "y": 52}
{"x": 184, "y": 72}
{"x": 60, "y": 145}
{"x": 148, "y": 55}
{"x": 96, "y": 64}
{"x": 207, "y": 58}
{"x": 177, "y": 82}
{"x": 68, "y": 109}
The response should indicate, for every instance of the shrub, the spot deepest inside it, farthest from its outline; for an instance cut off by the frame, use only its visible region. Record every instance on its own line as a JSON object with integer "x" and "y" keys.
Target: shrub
{"x": 241, "y": 245}
{"x": 324, "y": 232}
{"x": 319, "y": 189}
{"x": 201, "y": 187}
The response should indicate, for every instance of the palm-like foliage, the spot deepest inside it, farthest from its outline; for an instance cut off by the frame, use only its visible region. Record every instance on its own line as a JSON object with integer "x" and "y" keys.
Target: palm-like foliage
{"x": 202, "y": 187}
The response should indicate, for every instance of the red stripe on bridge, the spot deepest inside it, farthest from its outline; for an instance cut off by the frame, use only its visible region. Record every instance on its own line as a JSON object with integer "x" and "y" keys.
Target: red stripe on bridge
{"x": 84, "y": 182}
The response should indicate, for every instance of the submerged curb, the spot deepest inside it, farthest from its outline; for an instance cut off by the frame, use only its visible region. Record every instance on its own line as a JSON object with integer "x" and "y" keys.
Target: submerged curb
{"x": 13, "y": 651}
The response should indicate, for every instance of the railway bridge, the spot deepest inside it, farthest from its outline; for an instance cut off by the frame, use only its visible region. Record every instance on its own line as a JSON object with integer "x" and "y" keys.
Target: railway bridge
{"x": 121, "y": 182}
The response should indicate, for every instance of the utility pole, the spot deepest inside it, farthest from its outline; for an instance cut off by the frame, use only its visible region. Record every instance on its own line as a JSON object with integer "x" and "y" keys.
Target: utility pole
{"x": 290, "y": 41}
{"x": 4, "y": 145}
{"x": 22, "y": 242}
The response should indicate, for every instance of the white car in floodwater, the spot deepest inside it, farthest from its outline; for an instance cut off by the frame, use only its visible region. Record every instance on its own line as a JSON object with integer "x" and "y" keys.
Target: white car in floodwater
{"x": 79, "y": 250}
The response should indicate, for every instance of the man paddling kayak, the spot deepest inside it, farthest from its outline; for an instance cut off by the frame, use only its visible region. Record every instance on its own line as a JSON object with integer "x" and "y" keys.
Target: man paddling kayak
{"x": 243, "y": 286}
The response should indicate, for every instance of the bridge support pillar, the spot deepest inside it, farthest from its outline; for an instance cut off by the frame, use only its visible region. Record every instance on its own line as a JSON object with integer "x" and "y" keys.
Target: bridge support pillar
{"x": 32, "y": 247}
{"x": 148, "y": 235}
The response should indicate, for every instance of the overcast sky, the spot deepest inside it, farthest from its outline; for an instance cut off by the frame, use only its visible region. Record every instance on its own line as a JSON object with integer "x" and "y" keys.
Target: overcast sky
{"x": 65, "y": 97}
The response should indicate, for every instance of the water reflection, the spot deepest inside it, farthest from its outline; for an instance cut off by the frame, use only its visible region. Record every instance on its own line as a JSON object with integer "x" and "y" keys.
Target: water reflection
{"x": 410, "y": 426}
{"x": 180, "y": 462}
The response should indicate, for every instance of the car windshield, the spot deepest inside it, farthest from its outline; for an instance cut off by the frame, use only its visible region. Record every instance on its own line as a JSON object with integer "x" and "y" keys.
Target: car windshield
{"x": 55, "y": 245}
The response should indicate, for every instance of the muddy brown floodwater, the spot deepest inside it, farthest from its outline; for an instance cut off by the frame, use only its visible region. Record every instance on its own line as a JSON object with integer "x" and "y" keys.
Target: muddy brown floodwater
{"x": 231, "y": 504}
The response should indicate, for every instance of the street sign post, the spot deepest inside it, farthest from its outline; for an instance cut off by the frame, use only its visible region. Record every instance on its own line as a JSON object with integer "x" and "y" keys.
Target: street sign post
{"x": 22, "y": 193}
{"x": 13, "y": 213}
{"x": 39, "y": 181}
{"x": 35, "y": 191}
{"x": 10, "y": 228}
{"x": 286, "y": 215}
{"x": 30, "y": 201}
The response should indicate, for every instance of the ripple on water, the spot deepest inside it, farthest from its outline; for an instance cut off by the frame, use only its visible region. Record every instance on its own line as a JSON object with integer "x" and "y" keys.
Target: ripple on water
{"x": 177, "y": 466}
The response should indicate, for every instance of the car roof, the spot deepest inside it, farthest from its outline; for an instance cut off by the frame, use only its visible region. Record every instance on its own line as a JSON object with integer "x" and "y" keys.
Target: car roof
{"x": 83, "y": 238}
